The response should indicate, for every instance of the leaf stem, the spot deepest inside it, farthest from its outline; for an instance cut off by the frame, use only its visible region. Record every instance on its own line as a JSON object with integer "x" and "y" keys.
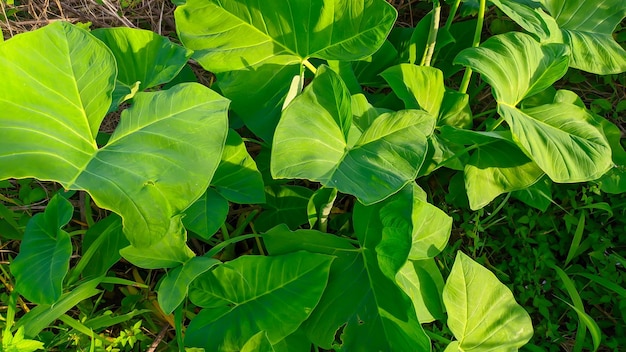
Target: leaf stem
{"x": 453, "y": 10}
{"x": 310, "y": 66}
{"x": 437, "y": 337}
{"x": 432, "y": 35}
{"x": 479, "y": 28}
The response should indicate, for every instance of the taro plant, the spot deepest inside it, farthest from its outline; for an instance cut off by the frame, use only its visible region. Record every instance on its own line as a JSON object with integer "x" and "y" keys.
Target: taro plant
{"x": 341, "y": 107}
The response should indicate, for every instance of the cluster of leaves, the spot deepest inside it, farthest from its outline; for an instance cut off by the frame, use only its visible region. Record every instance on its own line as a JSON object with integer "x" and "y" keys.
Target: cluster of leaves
{"x": 345, "y": 113}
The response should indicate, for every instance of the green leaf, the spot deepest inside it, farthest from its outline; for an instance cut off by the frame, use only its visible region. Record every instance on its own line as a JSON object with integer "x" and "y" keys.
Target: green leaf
{"x": 534, "y": 20}
{"x": 285, "y": 204}
{"x": 561, "y": 140}
{"x": 171, "y": 251}
{"x": 430, "y": 226}
{"x": 419, "y": 87}
{"x": 422, "y": 281}
{"x": 258, "y": 343}
{"x": 157, "y": 162}
{"x": 237, "y": 178}
{"x": 173, "y": 289}
{"x": 18, "y": 343}
{"x": 311, "y": 142}
{"x": 374, "y": 311}
{"x": 207, "y": 214}
{"x": 482, "y": 312}
{"x": 587, "y": 28}
{"x": 100, "y": 247}
{"x": 284, "y": 33}
{"x": 143, "y": 55}
{"x": 320, "y": 206}
{"x": 252, "y": 294}
{"x": 245, "y": 42}
{"x": 45, "y": 251}
{"x": 516, "y": 66}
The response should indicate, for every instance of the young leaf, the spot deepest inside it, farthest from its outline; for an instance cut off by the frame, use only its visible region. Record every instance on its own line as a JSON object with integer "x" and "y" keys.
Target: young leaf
{"x": 482, "y": 312}
{"x": 205, "y": 216}
{"x": 159, "y": 159}
{"x": 252, "y": 294}
{"x": 142, "y": 56}
{"x": 312, "y": 142}
{"x": 285, "y": 205}
{"x": 237, "y": 178}
{"x": 174, "y": 287}
{"x": 45, "y": 251}
{"x": 258, "y": 343}
{"x": 588, "y": 27}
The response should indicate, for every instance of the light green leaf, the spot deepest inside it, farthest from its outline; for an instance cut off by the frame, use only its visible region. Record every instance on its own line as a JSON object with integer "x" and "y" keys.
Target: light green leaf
{"x": 157, "y": 162}
{"x": 249, "y": 41}
{"x": 173, "y": 289}
{"x": 515, "y": 65}
{"x": 419, "y": 87}
{"x": 534, "y": 20}
{"x": 258, "y": 343}
{"x": 320, "y": 206}
{"x": 18, "y": 343}
{"x": 253, "y": 293}
{"x": 588, "y": 27}
{"x": 482, "y": 312}
{"x": 561, "y": 140}
{"x": 171, "y": 251}
{"x": 311, "y": 142}
{"x": 143, "y": 55}
{"x": 234, "y": 35}
{"x": 422, "y": 281}
{"x": 44, "y": 257}
{"x": 430, "y": 225}
{"x": 205, "y": 216}
{"x": 285, "y": 205}
{"x": 237, "y": 177}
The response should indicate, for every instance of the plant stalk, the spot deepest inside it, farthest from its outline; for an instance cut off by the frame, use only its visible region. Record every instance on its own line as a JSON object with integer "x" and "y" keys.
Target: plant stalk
{"x": 479, "y": 28}
{"x": 432, "y": 35}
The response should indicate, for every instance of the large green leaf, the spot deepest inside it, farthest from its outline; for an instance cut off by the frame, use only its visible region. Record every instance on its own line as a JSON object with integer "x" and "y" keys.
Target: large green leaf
{"x": 157, "y": 162}
{"x": 482, "y": 312}
{"x": 312, "y": 141}
{"x": 205, "y": 216}
{"x": 516, "y": 66}
{"x": 419, "y": 87}
{"x": 45, "y": 251}
{"x": 252, "y": 294}
{"x": 246, "y": 41}
{"x": 560, "y": 138}
{"x": 238, "y": 34}
{"x": 588, "y": 27}
{"x": 100, "y": 247}
{"x": 374, "y": 312}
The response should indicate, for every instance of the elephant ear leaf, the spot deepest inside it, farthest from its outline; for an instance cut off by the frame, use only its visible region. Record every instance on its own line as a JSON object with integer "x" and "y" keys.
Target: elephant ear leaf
{"x": 587, "y": 28}
{"x": 160, "y": 158}
{"x": 561, "y": 138}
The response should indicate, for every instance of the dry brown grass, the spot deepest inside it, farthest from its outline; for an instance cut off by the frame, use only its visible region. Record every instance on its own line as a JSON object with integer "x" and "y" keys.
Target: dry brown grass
{"x": 23, "y": 16}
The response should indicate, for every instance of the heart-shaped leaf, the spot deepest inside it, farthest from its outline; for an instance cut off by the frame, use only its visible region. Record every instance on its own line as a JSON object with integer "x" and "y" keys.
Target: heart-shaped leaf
{"x": 44, "y": 257}
{"x": 252, "y": 294}
{"x": 560, "y": 138}
{"x": 249, "y": 41}
{"x": 482, "y": 312}
{"x": 160, "y": 158}
{"x": 588, "y": 27}
{"x": 422, "y": 281}
{"x": 312, "y": 141}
